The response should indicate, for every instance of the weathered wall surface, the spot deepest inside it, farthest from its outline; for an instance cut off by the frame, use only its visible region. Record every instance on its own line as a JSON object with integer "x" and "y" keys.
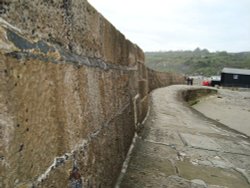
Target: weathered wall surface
{"x": 162, "y": 79}
{"x": 72, "y": 91}
{"x": 73, "y": 24}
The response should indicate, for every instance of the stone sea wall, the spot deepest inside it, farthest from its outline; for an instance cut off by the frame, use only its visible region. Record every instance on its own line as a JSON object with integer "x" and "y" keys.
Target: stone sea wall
{"x": 73, "y": 90}
{"x": 163, "y": 79}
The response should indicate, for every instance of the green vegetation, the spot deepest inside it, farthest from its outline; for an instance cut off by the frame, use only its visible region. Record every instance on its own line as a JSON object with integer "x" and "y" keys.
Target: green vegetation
{"x": 197, "y": 62}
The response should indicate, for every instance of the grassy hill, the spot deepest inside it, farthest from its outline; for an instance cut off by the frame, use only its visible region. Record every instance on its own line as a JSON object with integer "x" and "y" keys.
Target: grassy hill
{"x": 197, "y": 62}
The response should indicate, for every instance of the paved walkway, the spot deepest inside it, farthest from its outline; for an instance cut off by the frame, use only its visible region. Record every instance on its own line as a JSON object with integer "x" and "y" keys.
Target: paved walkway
{"x": 179, "y": 148}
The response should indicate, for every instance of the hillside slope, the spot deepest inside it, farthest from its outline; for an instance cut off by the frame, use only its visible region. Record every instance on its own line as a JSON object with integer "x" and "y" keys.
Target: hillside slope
{"x": 197, "y": 62}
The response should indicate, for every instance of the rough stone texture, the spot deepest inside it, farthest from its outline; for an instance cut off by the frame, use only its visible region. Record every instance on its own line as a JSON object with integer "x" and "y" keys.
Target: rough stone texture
{"x": 54, "y": 109}
{"x": 72, "y": 92}
{"x": 75, "y": 25}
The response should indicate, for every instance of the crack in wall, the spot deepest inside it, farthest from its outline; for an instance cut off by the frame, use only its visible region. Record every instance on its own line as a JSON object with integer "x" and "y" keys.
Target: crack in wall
{"x": 8, "y": 25}
{"x": 59, "y": 161}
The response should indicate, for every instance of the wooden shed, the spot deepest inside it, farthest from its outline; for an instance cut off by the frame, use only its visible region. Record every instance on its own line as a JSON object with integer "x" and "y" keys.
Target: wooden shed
{"x": 231, "y": 77}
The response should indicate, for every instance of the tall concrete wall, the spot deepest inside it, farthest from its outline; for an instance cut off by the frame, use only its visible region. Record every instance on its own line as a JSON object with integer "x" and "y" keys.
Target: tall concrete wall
{"x": 72, "y": 91}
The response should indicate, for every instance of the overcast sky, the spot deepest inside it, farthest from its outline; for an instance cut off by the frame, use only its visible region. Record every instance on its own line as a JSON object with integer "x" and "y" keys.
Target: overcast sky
{"x": 161, "y": 25}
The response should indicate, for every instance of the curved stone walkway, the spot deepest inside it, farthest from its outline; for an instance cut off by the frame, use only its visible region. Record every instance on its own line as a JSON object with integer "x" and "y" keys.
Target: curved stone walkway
{"x": 179, "y": 148}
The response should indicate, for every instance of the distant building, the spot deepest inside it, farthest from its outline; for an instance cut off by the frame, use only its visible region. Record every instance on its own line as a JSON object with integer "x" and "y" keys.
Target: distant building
{"x": 231, "y": 77}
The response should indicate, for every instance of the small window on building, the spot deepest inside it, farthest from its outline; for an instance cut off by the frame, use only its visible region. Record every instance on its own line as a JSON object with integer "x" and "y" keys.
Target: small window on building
{"x": 236, "y": 76}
